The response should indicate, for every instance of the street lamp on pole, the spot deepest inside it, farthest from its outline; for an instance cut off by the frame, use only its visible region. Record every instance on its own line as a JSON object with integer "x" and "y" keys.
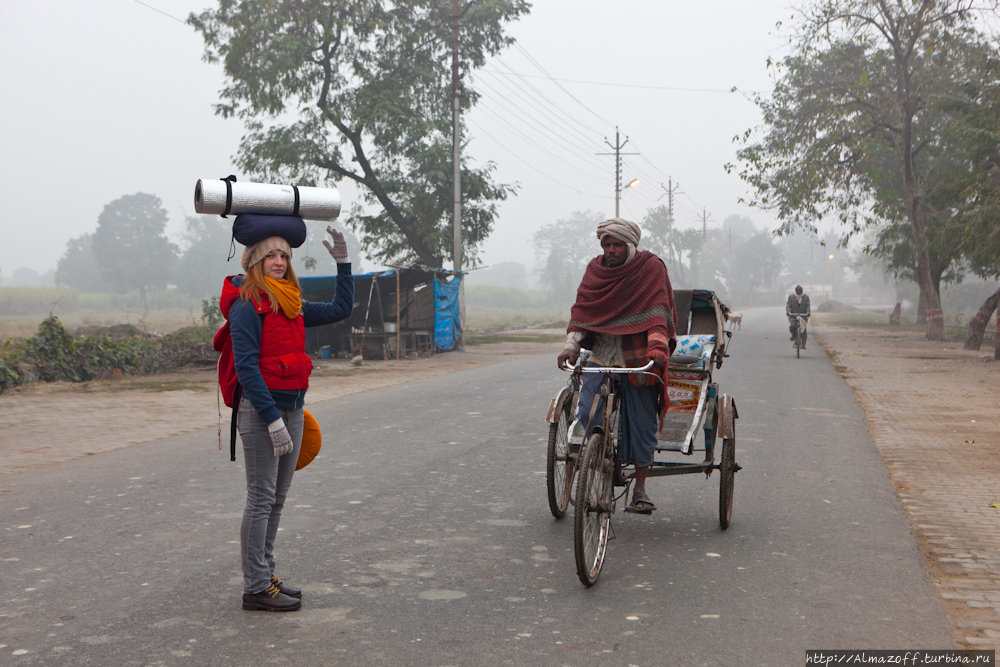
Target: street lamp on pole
{"x": 631, "y": 184}
{"x": 618, "y": 146}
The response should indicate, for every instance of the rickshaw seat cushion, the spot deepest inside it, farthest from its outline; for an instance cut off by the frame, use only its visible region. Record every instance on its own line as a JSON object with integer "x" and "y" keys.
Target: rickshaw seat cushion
{"x": 683, "y": 359}
{"x": 693, "y": 344}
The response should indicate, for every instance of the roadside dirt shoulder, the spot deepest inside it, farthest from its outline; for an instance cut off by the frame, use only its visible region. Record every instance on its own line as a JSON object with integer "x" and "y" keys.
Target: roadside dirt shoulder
{"x": 932, "y": 408}
{"x": 58, "y": 421}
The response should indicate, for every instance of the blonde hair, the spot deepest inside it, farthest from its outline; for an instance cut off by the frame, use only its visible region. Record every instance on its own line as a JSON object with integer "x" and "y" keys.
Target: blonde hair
{"x": 254, "y": 283}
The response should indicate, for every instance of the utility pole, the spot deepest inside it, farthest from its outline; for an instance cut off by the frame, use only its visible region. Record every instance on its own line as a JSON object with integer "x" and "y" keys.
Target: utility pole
{"x": 704, "y": 228}
{"x": 456, "y": 92}
{"x": 669, "y": 189}
{"x": 456, "y": 137}
{"x": 618, "y": 146}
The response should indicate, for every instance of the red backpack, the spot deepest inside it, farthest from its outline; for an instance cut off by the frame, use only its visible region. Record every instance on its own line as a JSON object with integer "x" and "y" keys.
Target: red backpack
{"x": 229, "y": 384}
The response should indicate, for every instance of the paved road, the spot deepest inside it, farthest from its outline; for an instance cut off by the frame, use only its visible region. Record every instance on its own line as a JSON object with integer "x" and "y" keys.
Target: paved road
{"x": 422, "y": 536}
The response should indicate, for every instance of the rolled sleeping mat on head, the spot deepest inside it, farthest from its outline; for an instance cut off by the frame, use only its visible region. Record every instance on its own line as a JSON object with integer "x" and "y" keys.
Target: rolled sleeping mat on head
{"x": 222, "y": 197}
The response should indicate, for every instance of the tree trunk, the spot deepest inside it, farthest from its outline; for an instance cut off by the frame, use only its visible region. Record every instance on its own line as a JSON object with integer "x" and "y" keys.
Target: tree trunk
{"x": 977, "y": 325}
{"x": 930, "y": 297}
{"x": 996, "y": 341}
{"x": 921, "y": 309}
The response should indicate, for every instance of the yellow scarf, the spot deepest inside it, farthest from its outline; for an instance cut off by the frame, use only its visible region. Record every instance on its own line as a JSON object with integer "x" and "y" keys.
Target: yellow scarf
{"x": 287, "y": 295}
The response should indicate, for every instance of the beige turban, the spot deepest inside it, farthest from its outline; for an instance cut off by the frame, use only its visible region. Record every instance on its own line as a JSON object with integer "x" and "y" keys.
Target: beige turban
{"x": 258, "y": 251}
{"x": 622, "y": 229}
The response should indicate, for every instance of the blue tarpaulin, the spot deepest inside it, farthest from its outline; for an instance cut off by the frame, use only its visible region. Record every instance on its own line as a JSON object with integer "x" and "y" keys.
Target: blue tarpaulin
{"x": 447, "y": 316}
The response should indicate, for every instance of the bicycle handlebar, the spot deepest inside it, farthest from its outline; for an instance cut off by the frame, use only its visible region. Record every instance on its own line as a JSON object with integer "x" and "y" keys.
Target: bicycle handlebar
{"x": 616, "y": 370}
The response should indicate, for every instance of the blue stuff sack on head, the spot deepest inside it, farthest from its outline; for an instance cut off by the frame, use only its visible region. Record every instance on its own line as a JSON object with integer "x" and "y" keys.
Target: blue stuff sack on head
{"x": 252, "y": 228}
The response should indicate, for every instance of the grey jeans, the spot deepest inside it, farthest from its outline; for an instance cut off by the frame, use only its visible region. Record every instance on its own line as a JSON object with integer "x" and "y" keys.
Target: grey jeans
{"x": 268, "y": 479}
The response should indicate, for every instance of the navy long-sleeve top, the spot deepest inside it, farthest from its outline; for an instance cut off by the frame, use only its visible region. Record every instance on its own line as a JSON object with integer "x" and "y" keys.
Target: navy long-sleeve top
{"x": 245, "y": 326}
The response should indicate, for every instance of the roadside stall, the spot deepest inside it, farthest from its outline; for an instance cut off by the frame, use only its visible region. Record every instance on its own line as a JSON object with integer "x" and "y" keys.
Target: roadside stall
{"x": 397, "y": 313}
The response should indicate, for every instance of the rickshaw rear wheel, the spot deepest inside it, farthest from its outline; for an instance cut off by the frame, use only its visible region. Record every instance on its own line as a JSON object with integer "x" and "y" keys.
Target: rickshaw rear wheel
{"x": 594, "y": 504}
{"x": 727, "y": 474}
{"x": 559, "y": 467}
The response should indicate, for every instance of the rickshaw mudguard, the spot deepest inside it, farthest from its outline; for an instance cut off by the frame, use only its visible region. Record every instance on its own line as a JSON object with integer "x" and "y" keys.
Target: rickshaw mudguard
{"x": 556, "y": 406}
{"x": 727, "y": 416}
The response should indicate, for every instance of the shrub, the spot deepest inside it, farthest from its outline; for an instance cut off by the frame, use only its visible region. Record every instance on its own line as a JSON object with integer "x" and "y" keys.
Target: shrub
{"x": 53, "y": 354}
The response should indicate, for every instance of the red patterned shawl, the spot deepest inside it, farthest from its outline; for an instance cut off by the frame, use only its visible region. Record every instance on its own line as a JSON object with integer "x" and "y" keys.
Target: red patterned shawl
{"x": 634, "y": 301}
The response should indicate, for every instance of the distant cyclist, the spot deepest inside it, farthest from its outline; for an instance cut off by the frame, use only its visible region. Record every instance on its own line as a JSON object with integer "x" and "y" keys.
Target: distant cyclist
{"x": 797, "y": 304}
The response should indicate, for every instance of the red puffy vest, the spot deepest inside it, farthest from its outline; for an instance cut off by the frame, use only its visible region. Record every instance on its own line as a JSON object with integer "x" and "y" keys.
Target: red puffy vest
{"x": 284, "y": 365}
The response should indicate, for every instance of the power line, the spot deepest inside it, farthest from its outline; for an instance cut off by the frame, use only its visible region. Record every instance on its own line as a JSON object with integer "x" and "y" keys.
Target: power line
{"x": 630, "y": 85}
{"x": 545, "y": 97}
{"x": 550, "y": 110}
{"x": 521, "y": 134}
{"x": 160, "y": 11}
{"x": 553, "y": 79}
{"x": 503, "y": 146}
{"x": 520, "y": 115}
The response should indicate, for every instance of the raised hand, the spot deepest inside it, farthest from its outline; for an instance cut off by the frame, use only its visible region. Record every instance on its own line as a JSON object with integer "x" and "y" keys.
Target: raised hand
{"x": 339, "y": 248}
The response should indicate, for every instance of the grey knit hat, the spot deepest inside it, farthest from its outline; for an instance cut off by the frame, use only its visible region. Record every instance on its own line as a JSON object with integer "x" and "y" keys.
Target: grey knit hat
{"x": 258, "y": 251}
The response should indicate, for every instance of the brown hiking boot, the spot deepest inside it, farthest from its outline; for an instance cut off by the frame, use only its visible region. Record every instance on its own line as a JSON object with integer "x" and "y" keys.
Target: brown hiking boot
{"x": 270, "y": 599}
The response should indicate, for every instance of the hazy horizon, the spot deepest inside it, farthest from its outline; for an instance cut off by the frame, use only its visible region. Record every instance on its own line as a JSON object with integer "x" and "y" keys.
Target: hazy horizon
{"x": 116, "y": 100}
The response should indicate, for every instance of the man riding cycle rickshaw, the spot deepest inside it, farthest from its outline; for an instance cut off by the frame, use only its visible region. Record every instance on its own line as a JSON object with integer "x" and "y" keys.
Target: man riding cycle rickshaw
{"x": 625, "y": 315}
{"x": 798, "y": 306}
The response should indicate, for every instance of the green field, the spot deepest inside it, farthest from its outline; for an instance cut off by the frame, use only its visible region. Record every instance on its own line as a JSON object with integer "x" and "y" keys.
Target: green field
{"x": 23, "y": 308}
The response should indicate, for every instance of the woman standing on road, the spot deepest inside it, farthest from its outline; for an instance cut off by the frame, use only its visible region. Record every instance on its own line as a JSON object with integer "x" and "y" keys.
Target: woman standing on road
{"x": 267, "y": 319}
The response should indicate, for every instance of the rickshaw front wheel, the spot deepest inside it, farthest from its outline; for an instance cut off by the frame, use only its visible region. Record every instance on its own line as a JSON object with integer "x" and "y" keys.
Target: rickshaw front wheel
{"x": 594, "y": 504}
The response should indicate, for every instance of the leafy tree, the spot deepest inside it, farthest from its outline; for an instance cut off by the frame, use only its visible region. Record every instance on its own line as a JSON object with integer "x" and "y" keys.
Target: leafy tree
{"x": 662, "y": 238}
{"x": 863, "y": 83}
{"x": 976, "y": 120}
{"x": 810, "y": 259}
{"x": 564, "y": 248}
{"x": 874, "y": 275}
{"x": 370, "y": 82}
{"x": 743, "y": 260}
{"x": 130, "y": 247}
{"x": 203, "y": 266}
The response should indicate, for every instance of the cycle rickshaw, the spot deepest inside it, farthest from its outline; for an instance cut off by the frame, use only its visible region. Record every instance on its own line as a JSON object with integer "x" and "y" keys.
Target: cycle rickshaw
{"x": 582, "y": 467}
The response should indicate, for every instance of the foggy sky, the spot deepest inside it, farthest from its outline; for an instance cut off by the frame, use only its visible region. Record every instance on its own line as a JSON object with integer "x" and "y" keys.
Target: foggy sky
{"x": 109, "y": 97}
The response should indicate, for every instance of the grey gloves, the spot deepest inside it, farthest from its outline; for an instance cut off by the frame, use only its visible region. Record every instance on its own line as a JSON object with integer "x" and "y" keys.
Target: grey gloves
{"x": 280, "y": 437}
{"x": 339, "y": 247}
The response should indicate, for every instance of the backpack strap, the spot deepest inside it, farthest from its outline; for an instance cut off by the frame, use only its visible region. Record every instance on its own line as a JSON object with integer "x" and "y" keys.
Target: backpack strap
{"x": 232, "y": 422}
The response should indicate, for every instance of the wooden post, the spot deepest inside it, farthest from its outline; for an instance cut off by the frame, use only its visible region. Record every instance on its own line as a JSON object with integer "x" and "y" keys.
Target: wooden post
{"x": 399, "y": 324}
